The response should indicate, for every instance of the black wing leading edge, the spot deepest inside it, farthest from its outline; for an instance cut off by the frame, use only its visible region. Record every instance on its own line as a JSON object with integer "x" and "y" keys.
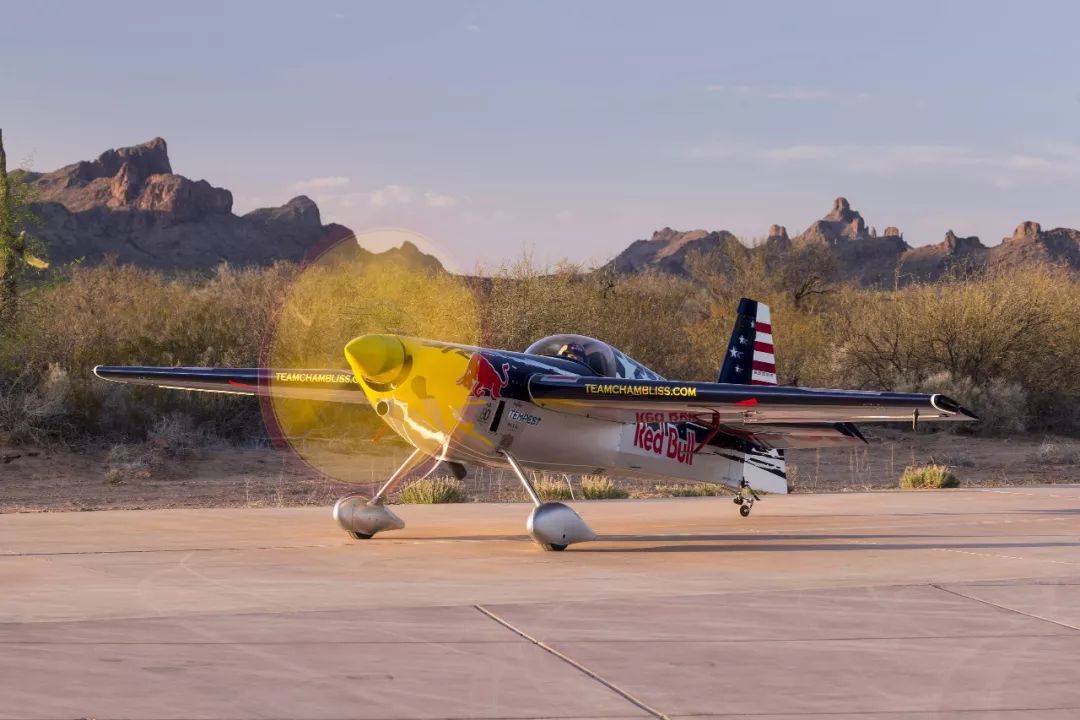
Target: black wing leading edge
{"x": 629, "y": 400}
{"x": 325, "y": 385}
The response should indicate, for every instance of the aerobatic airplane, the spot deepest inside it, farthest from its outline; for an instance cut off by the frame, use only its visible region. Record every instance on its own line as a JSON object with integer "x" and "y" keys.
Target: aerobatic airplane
{"x": 572, "y": 404}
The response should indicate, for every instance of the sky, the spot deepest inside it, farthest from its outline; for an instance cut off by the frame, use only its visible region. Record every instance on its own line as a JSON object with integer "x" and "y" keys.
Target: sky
{"x": 569, "y": 129}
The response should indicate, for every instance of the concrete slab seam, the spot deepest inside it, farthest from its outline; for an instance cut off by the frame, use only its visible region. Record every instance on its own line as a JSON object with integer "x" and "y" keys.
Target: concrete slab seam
{"x": 575, "y": 664}
{"x": 1006, "y": 608}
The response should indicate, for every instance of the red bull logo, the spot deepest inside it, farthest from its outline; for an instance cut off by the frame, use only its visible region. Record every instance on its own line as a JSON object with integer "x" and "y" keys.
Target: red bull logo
{"x": 482, "y": 378}
{"x": 663, "y": 440}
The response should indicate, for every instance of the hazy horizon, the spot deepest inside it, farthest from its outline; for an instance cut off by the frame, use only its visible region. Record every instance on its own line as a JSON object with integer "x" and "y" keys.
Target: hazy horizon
{"x": 567, "y": 129}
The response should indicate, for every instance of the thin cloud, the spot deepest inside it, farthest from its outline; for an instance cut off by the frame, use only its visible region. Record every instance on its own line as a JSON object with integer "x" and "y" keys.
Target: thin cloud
{"x": 472, "y": 28}
{"x": 439, "y": 200}
{"x": 319, "y": 183}
{"x": 798, "y": 93}
{"x": 391, "y": 195}
{"x": 777, "y": 93}
{"x": 734, "y": 89}
{"x": 1045, "y": 162}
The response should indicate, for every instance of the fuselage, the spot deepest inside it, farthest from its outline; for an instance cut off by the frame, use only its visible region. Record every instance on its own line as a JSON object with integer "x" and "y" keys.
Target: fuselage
{"x": 471, "y": 405}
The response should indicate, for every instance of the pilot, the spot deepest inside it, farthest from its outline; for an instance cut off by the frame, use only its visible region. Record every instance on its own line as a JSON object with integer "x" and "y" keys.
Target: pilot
{"x": 574, "y": 351}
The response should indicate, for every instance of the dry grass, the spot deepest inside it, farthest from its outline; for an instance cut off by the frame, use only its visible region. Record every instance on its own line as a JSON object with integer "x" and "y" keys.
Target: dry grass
{"x": 433, "y": 491}
{"x": 928, "y": 477}
{"x": 553, "y": 488}
{"x": 692, "y": 490}
{"x": 990, "y": 340}
{"x": 1057, "y": 451}
{"x": 598, "y": 487}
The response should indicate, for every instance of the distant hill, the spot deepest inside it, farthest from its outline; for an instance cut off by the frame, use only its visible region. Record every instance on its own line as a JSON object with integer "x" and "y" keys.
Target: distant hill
{"x": 129, "y": 204}
{"x": 857, "y": 252}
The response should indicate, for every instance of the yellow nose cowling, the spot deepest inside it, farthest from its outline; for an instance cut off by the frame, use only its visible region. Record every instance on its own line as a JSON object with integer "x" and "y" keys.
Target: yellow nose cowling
{"x": 379, "y": 358}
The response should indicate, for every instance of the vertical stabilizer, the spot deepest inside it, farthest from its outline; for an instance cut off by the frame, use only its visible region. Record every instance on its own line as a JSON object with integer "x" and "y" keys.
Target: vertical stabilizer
{"x": 749, "y": 358}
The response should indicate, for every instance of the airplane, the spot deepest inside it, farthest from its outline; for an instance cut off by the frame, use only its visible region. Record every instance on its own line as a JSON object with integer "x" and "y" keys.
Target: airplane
{"x": 572, "y": 404}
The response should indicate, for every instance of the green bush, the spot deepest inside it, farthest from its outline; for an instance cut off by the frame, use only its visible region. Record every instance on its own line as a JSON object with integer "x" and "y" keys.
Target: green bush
{"x": 919, "y": 477}
{"x": 433, "y": 491}
{"x": 597, "y": 487}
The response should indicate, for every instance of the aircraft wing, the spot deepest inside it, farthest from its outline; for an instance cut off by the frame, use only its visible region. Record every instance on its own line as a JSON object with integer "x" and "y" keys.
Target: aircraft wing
{"x": 731, "y": 404}
{"x": 326, "y": 385}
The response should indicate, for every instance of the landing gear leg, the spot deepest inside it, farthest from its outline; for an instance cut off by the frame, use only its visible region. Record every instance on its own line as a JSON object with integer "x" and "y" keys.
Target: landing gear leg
{"x": 362, "y": 518}
{"x": 745, "y": 498}
{"x": 552, "y": 525}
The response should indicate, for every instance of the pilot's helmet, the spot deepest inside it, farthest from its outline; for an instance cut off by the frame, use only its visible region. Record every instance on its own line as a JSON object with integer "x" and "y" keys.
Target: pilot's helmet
{"x": 573, "y": 351}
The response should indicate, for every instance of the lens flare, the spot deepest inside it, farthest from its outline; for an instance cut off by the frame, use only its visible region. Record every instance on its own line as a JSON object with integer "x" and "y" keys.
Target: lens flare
{"x": 344, "y": 312}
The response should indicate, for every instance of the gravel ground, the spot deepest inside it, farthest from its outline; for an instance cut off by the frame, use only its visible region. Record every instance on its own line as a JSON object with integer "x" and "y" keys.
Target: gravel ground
{"x": 142, "y": 477}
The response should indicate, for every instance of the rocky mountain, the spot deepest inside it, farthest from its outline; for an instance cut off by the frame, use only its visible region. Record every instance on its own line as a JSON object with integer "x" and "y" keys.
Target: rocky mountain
{"x": 842, "y": 242}
{"x": 953, "y": 255}
{"x": 669, "y": 249}
{"x": 131, "y": 205}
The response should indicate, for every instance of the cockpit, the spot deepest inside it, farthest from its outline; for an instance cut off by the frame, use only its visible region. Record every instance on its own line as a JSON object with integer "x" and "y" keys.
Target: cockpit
{"x": 593, "y": 354}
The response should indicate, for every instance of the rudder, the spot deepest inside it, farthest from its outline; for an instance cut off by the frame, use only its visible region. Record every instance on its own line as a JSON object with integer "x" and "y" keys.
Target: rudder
{"x": 751, "y": 360}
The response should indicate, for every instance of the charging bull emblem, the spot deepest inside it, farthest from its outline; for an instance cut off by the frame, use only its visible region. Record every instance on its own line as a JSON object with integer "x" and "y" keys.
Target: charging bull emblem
{"x": 482, "y": 379}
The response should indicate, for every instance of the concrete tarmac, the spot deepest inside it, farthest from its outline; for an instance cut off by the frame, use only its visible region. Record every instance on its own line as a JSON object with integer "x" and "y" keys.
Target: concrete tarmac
{"x": 897, "y": 606}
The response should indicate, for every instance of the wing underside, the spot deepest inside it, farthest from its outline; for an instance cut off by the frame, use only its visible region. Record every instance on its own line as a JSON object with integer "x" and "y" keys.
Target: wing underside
{"x": 319, "y": 384}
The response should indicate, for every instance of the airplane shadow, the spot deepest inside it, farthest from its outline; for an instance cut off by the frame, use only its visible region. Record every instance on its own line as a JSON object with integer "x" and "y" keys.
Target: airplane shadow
{"x": 751, "y": 543}
{"x": 682, "y": 543}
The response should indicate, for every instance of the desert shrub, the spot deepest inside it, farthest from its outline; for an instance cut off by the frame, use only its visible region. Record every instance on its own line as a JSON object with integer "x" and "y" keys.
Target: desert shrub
{"x": 33, "y": 406}
{"x": 433, "y": 491}
{"x": 1002, "y": 406}
{"x": 998, "y": 336}
{"x": 1005, "y": 344}
{"x": 917, "y": 477}
{"x": 552, "y": 487}
{"x": 133, "y": 461}
{"x": 1057, "y": 451}
{"x": 691, "y": 490}
{"x": 124, "y": 315}
{"x": 178, "y": 436}
{"x": 598, "y": 487}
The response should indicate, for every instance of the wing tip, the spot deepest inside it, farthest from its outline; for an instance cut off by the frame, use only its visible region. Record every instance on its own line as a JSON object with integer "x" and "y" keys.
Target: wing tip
{"x": 946, "y": 404}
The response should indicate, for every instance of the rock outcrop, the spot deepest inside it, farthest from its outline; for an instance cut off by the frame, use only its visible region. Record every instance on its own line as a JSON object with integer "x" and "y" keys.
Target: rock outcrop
{"x": 842, "y": 243}
{"x": 129, "y": 204}
{"x": 669, "y": 250}
{"x": 1030, "y": 243}
{"x": 858, "y": 253}
{"x": 953, "y": 256}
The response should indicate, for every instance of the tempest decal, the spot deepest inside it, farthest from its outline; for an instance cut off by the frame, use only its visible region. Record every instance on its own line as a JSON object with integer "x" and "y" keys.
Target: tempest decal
{"x": 304, "y": 377}
{"x": 664, "y": 440}
{"x": 661, "y": 390}
{"x": 524, "y": 417}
